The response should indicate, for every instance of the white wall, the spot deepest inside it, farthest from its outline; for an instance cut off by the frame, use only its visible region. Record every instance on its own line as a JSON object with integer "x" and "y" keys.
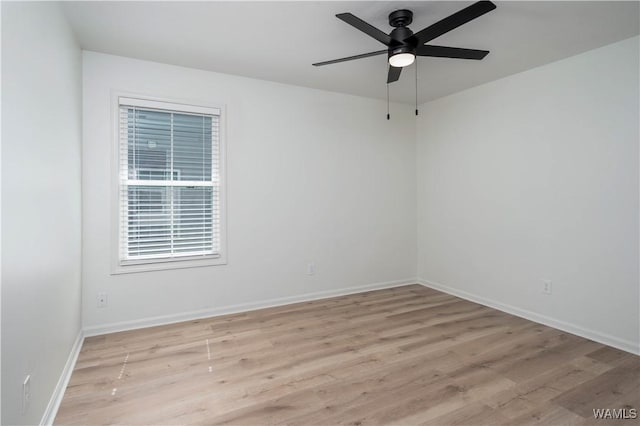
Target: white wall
{"x": 41, "y": 119}
{"x": 535, "y": 177}
{"x": 312, "y": 176}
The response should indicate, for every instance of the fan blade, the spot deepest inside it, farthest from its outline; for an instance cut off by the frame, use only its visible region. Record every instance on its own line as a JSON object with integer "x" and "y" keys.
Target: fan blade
{"x": 366, "y": 28}
{"x": 454, "y": 21}
{"x": 350, "y": 58}
{"x": 394, "y": 74}
{"x": 450, "y": 52}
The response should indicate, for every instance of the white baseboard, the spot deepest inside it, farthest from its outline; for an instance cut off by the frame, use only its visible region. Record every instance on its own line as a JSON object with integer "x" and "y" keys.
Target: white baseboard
{"x": 606, "y": 339}
{"x": 56, "y": 398}
{"x": 232, "y": 309}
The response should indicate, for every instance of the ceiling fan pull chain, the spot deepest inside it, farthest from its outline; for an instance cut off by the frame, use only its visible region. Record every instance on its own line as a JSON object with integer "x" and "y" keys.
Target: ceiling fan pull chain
{"x": 416, "y": 87}
{"x": 388, "y": 115}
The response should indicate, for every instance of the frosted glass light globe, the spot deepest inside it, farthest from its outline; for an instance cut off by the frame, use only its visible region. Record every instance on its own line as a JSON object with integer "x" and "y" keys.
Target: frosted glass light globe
{"x": 402, "y": 59}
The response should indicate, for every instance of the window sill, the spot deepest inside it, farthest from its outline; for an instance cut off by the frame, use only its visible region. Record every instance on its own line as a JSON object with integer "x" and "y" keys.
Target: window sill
{"x": 166, "y": 264}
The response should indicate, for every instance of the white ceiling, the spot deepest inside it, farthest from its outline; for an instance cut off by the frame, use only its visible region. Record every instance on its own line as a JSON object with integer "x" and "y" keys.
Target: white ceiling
{"x": 279, "y": 41}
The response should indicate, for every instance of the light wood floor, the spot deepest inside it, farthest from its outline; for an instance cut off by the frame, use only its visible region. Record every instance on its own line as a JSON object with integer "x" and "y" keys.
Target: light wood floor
{"x": 401, "y": 356}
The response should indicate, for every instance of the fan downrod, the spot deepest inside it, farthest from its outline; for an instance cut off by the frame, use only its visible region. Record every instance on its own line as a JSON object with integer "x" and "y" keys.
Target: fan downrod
{"x": 400, "y": 18}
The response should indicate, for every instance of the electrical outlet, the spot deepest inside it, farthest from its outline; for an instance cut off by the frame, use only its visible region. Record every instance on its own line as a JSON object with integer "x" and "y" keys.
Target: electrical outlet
{"x": 547, "y": 287}
{"x": 102, "y": 300}
{"x": 26, "y": 393}
{"x": 311, "y": 268}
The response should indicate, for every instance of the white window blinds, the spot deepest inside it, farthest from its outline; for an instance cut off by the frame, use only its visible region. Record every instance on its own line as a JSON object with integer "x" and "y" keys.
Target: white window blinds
{"x": 169, "y": 174}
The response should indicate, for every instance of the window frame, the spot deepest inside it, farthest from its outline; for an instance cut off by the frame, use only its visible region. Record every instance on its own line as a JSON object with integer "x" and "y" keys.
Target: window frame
{"x": 119, "y": 266}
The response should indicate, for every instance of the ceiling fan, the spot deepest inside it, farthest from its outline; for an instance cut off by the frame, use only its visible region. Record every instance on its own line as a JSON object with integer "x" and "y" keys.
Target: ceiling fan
{"x": 403, "y": 45}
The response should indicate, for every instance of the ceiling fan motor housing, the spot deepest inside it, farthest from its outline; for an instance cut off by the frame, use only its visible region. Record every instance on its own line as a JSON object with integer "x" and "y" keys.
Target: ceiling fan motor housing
{"x": 401, "y": 36}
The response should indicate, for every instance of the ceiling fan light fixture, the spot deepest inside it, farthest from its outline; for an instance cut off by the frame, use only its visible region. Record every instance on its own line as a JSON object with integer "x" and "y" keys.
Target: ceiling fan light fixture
{"x": 402, "y": 56}
{"x": 400, "y": 60}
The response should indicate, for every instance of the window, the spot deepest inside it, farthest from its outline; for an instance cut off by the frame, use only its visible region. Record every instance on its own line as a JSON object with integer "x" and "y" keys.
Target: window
{"x": 170, "y": 185}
